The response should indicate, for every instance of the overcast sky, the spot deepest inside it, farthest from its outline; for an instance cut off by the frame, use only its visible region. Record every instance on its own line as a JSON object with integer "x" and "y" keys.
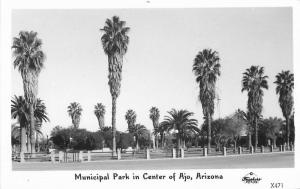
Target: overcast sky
{"x": 157, "y": 69}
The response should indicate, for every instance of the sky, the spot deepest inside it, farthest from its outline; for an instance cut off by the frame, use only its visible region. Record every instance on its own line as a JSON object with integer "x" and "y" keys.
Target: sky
{"x": 157, "y": 69}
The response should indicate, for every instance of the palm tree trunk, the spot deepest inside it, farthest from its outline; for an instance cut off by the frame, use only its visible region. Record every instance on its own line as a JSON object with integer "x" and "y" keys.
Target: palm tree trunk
{"x": 208, "y": 133}
{"x": 256, "y": 135}
{"x": 103, "y": 143}
{"x": 28, "y": 142}
{"x": 32, "y": 135}
{"x": 37, "y": 142}
{"x": 178, "y": 144}
{"x": 249, "y": 137}
{"x": 218, "y": 143}
{"x": 113, "y": 123}
{"x": 287, "y": 131}
{"x": 162, "y": 140}
{"x": 234, "y": 146}
{"x": 274, "y": 142}
{"x": 23, "y": 140}
{"x": 137, "y": 144}
{"x": 101, "y": 122}
{"x": 203, "y": 140}
{"x": 153, "y": 141}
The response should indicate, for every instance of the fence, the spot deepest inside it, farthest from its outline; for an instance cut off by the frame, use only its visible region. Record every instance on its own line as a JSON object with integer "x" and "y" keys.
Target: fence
{"x": 86, "y": 156}
{"x": 160, "y": 154}
{"x": 31, "y": 157}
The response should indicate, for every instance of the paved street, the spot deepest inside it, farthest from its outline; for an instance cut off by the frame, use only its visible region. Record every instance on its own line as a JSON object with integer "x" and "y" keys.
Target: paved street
{"x": 274, "y": 160}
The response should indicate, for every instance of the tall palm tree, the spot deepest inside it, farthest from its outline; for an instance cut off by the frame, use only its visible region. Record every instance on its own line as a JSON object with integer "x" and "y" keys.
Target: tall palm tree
{"x": 100, "y": 112}
{"x": 206, "y": 68}
{"x": 115, "y": 44}
{"x": 181, "y": 123}
{"x": 154, "y": 116}
{"x": 254, "y": 81}
{"x": 29, "y": 60}
{"x": 285, "y": 87}
{"x": 74, "y": 110}
{"x": 20, "y": 111}
{"x": 138, "y": 130}
{"x": 130, "y": 117}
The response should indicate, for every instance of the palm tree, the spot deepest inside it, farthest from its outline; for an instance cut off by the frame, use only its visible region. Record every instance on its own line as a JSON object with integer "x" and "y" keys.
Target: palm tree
{"x": 181, "y": 123}
{"x": 115, "y": 43}
{"x": 130, "y": 117}
{"x": 40, "y": 112}
{"x": 161, "y": 130}
{"x": 138, "y": 131}
{"x": 15, "y": 135}
{"x": 218, "y": 131}
{"x": 20, "y": 111}
{"x": 187, "y": 135}
{"x": 74, "y": 110}
{"x": 29, "y": 60}
{"x": 247, "y": 118}
{"x": 254, "y": 81}
{"x": 154, "y": 116}
{"x": 206, "y": 68}
{"x": 285, "y": 86}
{"x": 100, "y": 112}
{"x": 235, "y": 128}
{"x": 292, "y": 128}
{"x": 271, "y": 128}
{"x": 40, "y": 115}
{"x": 39, "y": 133}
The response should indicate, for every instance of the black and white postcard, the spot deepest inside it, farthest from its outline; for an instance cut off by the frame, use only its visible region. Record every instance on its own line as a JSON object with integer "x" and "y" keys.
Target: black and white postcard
{"x": 149, "y": 94}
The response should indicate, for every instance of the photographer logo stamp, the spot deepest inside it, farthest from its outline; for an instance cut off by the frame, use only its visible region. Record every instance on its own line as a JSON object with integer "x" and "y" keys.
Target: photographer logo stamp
{"x": 251, "y": 178}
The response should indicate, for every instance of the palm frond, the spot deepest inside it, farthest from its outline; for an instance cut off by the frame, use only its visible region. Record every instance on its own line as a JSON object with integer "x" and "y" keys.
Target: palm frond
{"x": 206, "y": 68}
{"x": 284, "y": 87}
